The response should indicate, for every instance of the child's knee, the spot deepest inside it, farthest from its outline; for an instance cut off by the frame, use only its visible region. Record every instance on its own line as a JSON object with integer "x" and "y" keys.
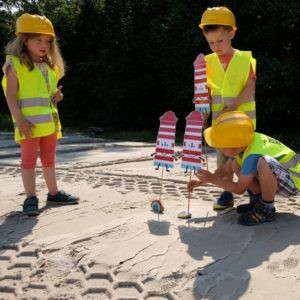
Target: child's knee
{"x": 28, "y": 161}
{"x": 48, "y": 162}
{"x": 28, "y": 165}
{"x": 262, "y": 163}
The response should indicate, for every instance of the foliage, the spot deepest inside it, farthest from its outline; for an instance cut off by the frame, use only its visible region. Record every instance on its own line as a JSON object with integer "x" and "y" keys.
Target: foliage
{"x": 131, "y": 60}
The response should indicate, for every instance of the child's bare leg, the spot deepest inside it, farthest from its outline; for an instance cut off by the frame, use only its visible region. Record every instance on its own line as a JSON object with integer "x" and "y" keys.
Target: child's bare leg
{"x": 50, "y": 178}
{"x": 267, "y": 180}
{"x": 254, "y": 186}
{"x": 263, "y": 210}
{"x": 28, "y": 177}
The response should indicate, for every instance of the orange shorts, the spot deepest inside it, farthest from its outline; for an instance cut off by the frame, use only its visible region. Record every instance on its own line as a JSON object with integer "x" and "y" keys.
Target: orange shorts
{"x": 31, "y": 147}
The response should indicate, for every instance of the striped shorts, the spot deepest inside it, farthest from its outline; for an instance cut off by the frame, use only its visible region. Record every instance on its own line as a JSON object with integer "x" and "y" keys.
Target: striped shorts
{"x": 286, "y": 186}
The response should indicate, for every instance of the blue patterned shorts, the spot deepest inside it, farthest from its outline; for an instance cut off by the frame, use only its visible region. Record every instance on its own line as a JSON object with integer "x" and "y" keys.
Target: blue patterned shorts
{"x": 286, "y": 186}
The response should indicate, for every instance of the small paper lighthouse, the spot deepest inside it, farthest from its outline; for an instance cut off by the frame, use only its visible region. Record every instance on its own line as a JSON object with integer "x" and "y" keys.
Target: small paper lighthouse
{"x": 191, "y": 158}
{"x": 164, "y": 152}
{"x": 201, "y": 93}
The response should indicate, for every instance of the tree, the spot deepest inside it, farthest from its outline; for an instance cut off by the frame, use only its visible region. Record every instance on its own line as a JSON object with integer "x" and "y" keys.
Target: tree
{"x": 131, "y": 60}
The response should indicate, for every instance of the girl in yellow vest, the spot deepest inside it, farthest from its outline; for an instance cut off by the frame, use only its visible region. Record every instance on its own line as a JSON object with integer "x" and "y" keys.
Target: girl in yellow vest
{"x": 263, "y": 165}
{"x": 31, "y": 72}
{"x": 230, "y": 74}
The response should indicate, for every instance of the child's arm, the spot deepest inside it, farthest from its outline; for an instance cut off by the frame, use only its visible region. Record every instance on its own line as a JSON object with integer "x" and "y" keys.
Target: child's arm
{"x": 223, "y": 170}
{"x": 246, "y": 93}
{"x": 12, "y": 86}
{"x": 220, "y": 172}
{"x": 238, "y": 187}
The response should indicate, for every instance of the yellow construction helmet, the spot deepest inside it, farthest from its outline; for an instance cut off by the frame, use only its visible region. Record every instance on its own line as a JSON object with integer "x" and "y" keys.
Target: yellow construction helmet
{"x": 233, "y": 129}
{"x": 220, "y": 15}
{"x": 34, "y": 24}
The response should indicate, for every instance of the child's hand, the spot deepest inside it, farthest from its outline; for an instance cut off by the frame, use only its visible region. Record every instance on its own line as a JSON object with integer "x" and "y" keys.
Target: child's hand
{"x": 205, "y": 116}
{"x": 229, "y": 107}
{"x": 57, "y": 95}
{"x": 192, "y": 184}
{"x": 24, "y": 127}
{"x": 205, "y": 176}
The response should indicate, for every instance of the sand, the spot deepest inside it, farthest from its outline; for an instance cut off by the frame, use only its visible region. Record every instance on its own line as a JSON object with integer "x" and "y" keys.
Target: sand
{"x": 113, "y": 246}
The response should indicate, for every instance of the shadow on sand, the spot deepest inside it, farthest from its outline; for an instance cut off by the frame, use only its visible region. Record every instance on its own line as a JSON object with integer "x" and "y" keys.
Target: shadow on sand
{"x": 227, "y": 251}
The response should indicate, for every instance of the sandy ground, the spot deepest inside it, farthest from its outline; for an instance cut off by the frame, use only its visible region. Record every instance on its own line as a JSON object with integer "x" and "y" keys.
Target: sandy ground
{"x": 112, "y": 246}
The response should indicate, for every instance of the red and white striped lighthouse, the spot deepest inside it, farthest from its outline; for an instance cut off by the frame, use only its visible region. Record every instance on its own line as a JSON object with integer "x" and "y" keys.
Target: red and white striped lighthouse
{"x": 164, "y": 152}
{"x": 201, "y": 93}
{"x": 192, "y": 145}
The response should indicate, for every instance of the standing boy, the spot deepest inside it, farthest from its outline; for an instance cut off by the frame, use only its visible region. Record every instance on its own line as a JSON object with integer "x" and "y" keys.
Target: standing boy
{"x": 231, "y": 77}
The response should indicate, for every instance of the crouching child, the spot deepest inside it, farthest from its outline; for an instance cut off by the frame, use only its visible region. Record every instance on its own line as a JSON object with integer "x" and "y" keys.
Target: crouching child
{"x": 263, "y": 165}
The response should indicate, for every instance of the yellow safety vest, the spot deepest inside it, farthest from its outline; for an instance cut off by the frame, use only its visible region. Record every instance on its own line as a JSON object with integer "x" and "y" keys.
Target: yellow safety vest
{"x": 34, "y": 99}
{"x": 265, "y": 145}
{"x": 225, "y": 86}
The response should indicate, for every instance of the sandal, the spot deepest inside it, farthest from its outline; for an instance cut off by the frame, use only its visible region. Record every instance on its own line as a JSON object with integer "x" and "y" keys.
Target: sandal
{"x": 258, "y": 215}
{"x": 244, "y": 208}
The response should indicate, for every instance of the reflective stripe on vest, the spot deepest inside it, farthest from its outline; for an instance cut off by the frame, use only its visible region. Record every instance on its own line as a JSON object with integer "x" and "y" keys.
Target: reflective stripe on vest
{"x": 295, "y": 174}
{"x": 31, "y": 102}
{"x": 41, "y": 119}
{"x": 225, "y": 86}
{"x": 217, "y": 99}
{"x": 291, "y": 163}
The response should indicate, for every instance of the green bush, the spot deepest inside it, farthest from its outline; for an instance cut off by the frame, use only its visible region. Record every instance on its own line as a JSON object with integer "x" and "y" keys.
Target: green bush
{"x": 5, "y": 122}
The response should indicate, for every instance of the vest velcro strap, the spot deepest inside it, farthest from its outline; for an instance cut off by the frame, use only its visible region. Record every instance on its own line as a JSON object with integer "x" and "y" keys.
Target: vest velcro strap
{"x": 31, "y": 102}
{"x": 291, "y": 163}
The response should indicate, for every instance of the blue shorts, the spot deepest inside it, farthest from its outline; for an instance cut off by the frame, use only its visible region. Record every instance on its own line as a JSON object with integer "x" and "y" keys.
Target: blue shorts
{"x": 286, "y": 186}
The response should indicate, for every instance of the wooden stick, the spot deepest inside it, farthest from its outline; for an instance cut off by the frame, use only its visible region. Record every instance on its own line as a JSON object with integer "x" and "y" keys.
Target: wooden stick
{"x": 161, "y": 182}
{"x": 206, "y": 159}
{"x": 189, "y": 195}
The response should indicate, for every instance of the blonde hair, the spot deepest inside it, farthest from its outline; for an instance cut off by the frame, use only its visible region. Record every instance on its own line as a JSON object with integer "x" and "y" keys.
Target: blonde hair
{"x": 18, "y": 48}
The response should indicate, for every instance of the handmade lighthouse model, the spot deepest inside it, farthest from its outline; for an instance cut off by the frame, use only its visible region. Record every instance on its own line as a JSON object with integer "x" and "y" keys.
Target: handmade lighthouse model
{"x": 191, "y": 158}
{"x": 201, "y": 93}
{"x": 164, "y": 152}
